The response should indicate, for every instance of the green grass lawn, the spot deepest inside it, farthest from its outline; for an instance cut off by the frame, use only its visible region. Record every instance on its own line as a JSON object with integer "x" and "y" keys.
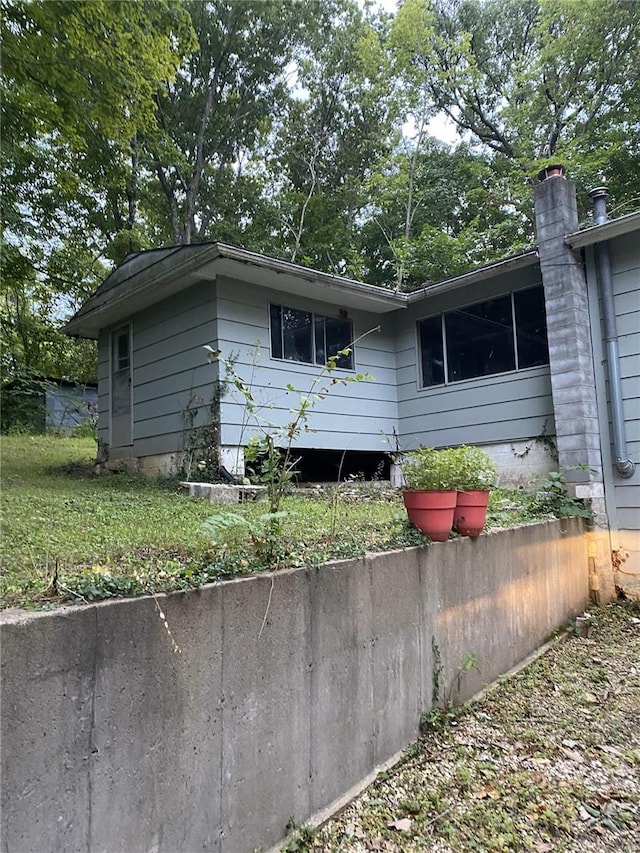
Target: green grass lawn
{"x": 69, "y": 534}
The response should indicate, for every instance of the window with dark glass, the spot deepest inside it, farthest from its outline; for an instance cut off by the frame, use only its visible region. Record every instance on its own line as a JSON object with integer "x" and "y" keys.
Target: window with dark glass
{"x": 531, "y": 327}
{"x": 494, "y": 336}
{"x": 431, "y": 350}
{"x": 480, "y": 340}
{"x": 310, "y": 338}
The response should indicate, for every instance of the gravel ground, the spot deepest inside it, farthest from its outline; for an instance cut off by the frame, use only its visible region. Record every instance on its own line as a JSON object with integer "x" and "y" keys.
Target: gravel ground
{"x": 547, "y": 760}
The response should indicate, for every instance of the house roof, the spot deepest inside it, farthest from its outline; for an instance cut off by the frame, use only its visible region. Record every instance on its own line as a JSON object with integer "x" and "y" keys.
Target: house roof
{"x": 147, "y": 277}
{"x": 527, "y": 258}
{"x": 606, "y": 231}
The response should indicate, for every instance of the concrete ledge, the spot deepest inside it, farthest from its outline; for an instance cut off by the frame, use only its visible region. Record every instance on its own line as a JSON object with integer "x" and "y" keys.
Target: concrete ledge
{"x": 288, "y": 690}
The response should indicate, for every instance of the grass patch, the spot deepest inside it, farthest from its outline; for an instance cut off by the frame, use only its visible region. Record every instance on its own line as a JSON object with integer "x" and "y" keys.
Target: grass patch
{"x": 69, "y": 534}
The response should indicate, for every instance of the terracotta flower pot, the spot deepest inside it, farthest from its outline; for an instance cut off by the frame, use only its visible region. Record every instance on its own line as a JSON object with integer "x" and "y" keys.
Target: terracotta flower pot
{"x": 471, "y": 512}
{"x": 431, "y": 512}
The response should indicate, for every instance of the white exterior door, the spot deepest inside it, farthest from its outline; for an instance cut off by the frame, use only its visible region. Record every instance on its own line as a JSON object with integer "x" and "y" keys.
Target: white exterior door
{"x": 121, "y": 388}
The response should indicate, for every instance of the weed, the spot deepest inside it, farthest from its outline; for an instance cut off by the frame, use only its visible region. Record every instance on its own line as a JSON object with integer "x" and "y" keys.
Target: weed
{"x": 272, "y": 456}
{"x": 553, "y": 498}
{"x": 445, "y": 710}
{"x": 302, "y": 837}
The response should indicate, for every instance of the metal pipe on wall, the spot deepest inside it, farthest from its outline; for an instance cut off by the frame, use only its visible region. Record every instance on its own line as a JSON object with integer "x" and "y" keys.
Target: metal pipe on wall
{"x": 624, "y": 466}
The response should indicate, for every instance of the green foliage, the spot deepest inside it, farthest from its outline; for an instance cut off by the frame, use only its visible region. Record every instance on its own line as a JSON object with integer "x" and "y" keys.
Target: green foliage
{"x": 87, "y": 428}
{"x": 101, "y": 536}
{"x": 475, "y": 469}
{"x": 201, "y": 442}
{"x": 263, "y": 533}
{"x": 427, "y": 469}
{"x": 301, "y": 838}
{"x": 273, "y": 453}
{"x": 553, "y": 497}
{"x": 530, "y": 81}
{"x": 335, "y": 129}
{"x": 296, "y": 129}
{"x": 79, "y": 81}
{"x": 464, "y": 468}
{"x": 445, "y": 708}
{"x": 99, "y": 532}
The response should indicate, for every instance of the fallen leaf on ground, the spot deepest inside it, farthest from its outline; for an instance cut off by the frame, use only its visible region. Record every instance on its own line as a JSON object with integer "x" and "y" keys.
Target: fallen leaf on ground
{"x": 404, "y": 824}
{"x": 572, "y": 754}
{"x": 488, "y": 791}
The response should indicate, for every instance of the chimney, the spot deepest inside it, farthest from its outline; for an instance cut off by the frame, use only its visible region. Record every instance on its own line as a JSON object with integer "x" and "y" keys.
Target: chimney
{"x": 568, "y": 327}
{"x": 571, "y": 366}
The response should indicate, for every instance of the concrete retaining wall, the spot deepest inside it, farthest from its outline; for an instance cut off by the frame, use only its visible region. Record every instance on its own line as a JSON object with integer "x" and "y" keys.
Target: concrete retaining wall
{"x": 288, "y": 690}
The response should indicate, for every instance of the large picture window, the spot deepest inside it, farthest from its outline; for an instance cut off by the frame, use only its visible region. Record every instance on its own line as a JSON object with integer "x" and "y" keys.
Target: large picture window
{"x": 495, "y": 336}
{"x": 310, "y": 338}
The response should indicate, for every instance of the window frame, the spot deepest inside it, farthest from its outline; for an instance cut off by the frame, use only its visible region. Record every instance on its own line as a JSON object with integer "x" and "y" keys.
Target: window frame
{"x": 318, "y": 322}
{"x": 445, "y": 349}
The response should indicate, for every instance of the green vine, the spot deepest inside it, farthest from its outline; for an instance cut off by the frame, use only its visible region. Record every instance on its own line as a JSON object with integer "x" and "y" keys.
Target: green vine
{"x": 201, "y": 454}
{"x": 545, "y": 440}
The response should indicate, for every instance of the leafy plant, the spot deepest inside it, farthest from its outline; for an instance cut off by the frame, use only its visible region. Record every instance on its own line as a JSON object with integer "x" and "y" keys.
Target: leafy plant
{"x": 301, "y": 837}
{"x": 446, "y": 709}
{"x": 427, "y": 469}
{"x": 273, "y": 455}
{"x": 259, "y": 530}
{"x": 464, "y": 468}
{"x": 553, "y": 498}
{"x": 475, "y": 470}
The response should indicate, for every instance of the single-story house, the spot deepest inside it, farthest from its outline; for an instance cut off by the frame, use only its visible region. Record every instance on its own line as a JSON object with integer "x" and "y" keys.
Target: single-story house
{"x": 534, "y": 357}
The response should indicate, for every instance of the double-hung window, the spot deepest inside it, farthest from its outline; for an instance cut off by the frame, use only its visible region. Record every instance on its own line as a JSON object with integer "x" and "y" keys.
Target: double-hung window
{"x": 310, "y": 338}
{"x": 495, "y": 336}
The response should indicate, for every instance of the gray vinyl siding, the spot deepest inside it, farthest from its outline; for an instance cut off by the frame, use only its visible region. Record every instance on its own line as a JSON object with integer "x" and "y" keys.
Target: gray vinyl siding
{"x": 171, "y": 373}
{"x": 103, "y": 387}
{"x": 355, "y": 416}
{"x": 624, "y": 510}
{"x": 508, "y": 407}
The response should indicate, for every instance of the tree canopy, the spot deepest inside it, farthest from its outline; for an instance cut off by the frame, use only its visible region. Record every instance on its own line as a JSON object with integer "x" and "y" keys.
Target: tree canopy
{"x": 303, "y": 130}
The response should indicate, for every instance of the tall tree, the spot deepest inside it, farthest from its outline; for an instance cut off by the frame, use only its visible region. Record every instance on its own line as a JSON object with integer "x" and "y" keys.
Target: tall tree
{"x": 337, "y": 125}
{"x": 434, "y": 212}
{"x": 78, "y": 80}
{"x": 216, "y": 115}
{"x": 532, "y": 81}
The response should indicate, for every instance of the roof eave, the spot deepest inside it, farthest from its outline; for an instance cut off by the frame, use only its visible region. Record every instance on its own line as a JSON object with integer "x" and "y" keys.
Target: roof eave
{"x": 606, "y": 231}
{"x": 506, "y": 265}
{"x": 134, "y": 292}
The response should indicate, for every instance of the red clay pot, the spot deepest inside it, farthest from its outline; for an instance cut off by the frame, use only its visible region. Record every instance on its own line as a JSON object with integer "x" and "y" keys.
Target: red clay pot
{"x": 431, "y": 512}
{"x": 471, "y": 513}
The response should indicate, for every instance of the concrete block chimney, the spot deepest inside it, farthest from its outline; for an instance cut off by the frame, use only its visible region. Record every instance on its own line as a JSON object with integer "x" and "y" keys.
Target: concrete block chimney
{"x": 573, "y": 383}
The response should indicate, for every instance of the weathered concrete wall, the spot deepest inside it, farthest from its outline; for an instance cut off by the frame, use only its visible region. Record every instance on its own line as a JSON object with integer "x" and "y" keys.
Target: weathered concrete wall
{"x": 288, "y": 690}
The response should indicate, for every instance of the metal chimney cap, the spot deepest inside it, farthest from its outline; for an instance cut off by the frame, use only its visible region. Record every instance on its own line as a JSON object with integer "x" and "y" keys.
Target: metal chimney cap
{"x": 556, "y": 170}
{"x": 599, "y": 192}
